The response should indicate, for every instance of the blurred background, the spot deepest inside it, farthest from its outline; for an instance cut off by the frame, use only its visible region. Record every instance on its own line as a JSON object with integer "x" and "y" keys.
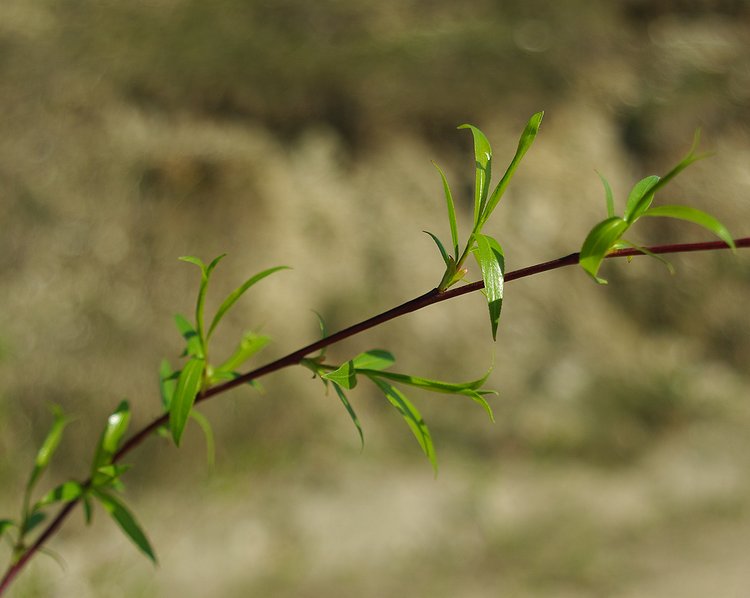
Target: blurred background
{"x": 301, "y": 133}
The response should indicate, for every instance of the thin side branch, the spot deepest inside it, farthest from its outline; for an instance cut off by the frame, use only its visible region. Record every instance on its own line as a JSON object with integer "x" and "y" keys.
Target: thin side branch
{"x": 429, "y": 298}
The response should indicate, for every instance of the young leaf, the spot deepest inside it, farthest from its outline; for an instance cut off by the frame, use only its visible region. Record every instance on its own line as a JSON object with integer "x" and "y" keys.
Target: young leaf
{"x": 237, "y": 293}
{"x": 524, "y": 143}
{"x": 695, "y": 216}
{"x": 492, "y": 263}
{"x": 412, "y": 417}
{"x": 117, "y": 425}
{"x": 444, "y": 254}
{"x": 374, "y": 359}
{"x": 48, "y": 448}
{"x": 683, "y": 164}
{"x": 193, "y": 341}
{"x": 88, "y": 511}
{"x": 188, "y": 386}
{"x": 32, "y": 522}
{"x": 5, "y": 525}
{"x": 483, "y": 166}
{"x": 126, "y": 521}
{"x": 250, "y": 344}
{"x": 351, "y": 412}
{"x": 108, "y": 475}
{"x": 208, "y": 432}
{"x": 167, "y": 383}
{"x": 640, "y": 198}
{"x": 598, "y": 243}
{"x": 345, "y": 376}
{"x": 63, "y": 493}
{"x": 200, "y": 303}
{"x": 451, "y": 210}
{"x": 427, "y": 383}
{"x": 608, "y": 196}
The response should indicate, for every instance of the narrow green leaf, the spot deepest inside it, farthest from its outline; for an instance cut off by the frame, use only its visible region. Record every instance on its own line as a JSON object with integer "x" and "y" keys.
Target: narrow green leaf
{"x": 623, "y": 243}
{"x": 208, "y": 432}
{"x": 451, "y": 211}
{"x": 117, "y": 425}
{"x": 608, "y": 196}
{"x": 412, "y": 417}
{"x": 250, "y": 344}
{"x": 427, "y": 383}
{"x": 188, "y": 332}
{"x": 598, "y": 243}
{"x": 683, "y": 164}
{"x": 32, "y": 522}
{"x": 126, "y": 521}
{"x": 167, "y": 383}
{"x": 345, "y": 376}
{"x": 374, "y": 359}
{"x": 483, "y": 166}
{"x": 201, "y": 301}
{"x": 446, "y": 258}
{"x": 88, "y": 511}
{"x": 640, "y": 198}
{"x": 478, "y": 398}
{"x": 237, "y": 293}
{"x": 524, "y": 143}
{"x": 5, "y": 525}
{"x": 696, "y": 217}
{"x": 188, "y": 386}
{"x": 492, "y": 263}
{"x": 48, "y": 448}
{"x": 350, "y": 410}
{"x": 65, "y": 492}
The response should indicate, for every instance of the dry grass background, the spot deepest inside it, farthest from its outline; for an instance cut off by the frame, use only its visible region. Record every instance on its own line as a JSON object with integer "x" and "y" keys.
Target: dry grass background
{"x": 302, "y": 134}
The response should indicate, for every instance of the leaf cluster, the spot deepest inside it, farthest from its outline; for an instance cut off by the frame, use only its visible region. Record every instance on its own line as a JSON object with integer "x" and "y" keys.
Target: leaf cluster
{"x": 372, "y": 365}
{"x": 607, "y": 235}
{"x": 486, "y": 250}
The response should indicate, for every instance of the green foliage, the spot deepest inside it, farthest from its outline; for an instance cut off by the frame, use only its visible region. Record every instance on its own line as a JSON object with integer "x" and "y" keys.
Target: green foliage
{"x": 607, "y": 235}
{"x": 373, "y": 365}
{"x": 486, "y": 250}
{"x": 179, "y": 389}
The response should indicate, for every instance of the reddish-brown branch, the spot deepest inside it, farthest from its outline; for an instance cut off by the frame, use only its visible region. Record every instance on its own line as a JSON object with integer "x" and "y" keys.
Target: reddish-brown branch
{"x": 429, "y": 298}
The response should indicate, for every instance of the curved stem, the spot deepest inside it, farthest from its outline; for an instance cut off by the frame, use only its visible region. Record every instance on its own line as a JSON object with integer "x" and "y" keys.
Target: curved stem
{"x": 293, "y": 358}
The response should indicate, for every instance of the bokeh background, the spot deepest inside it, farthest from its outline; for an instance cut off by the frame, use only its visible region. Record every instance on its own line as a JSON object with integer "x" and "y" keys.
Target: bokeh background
{"x": 301, "y": 133}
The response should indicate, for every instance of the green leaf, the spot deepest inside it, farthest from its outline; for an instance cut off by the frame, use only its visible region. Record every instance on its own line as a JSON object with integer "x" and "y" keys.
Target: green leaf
{"x": 683, "y": 164}
{"x": 427, "y": 383}
{"x": 446, "y": 258}
{"x": 492, "y": 263}
{"x": 350, "y": 410}
{"x": 208, "y": 432}
{"x": 609, "y": 197}
{"x": 201, "y": 301}
{"x": 117, "y": 425}
{"x": 167, "y": 383}
{"x": 598, "y": 243}
{"x": 48, "y": 448}
{"x": 479, "y": 399}
{"x": 696, "y": 217}
{"x": 32, "y": 522}
{"x": 237, "y": 293}
{"x": 194, "y": 347}
{"x": 483, "y": 166}
{"x": 250, "y": 344}
{"x": 345, "y": 376}
{"x": 524, "y": 143}
{"x": 188, "y": 386}
{"x": 640, "y": 198}
{"x": 451, "y": 210}
{"x": 88, "y": 511}
{"x": 374, "y": 359}
{"x": 412, "y": 417}
{"x": 5, "y": 525}
{"x": 126, "y": 521}
{"x": 108, "y": 475}
{"x": 65, "y": 492}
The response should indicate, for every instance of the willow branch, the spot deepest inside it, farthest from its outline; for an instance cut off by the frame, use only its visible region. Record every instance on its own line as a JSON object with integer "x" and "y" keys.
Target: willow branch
{"x": 429, "y": 298}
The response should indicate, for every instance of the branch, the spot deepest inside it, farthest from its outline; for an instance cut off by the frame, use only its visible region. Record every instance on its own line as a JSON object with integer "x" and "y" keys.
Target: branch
{"x": 429, "y": 298}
